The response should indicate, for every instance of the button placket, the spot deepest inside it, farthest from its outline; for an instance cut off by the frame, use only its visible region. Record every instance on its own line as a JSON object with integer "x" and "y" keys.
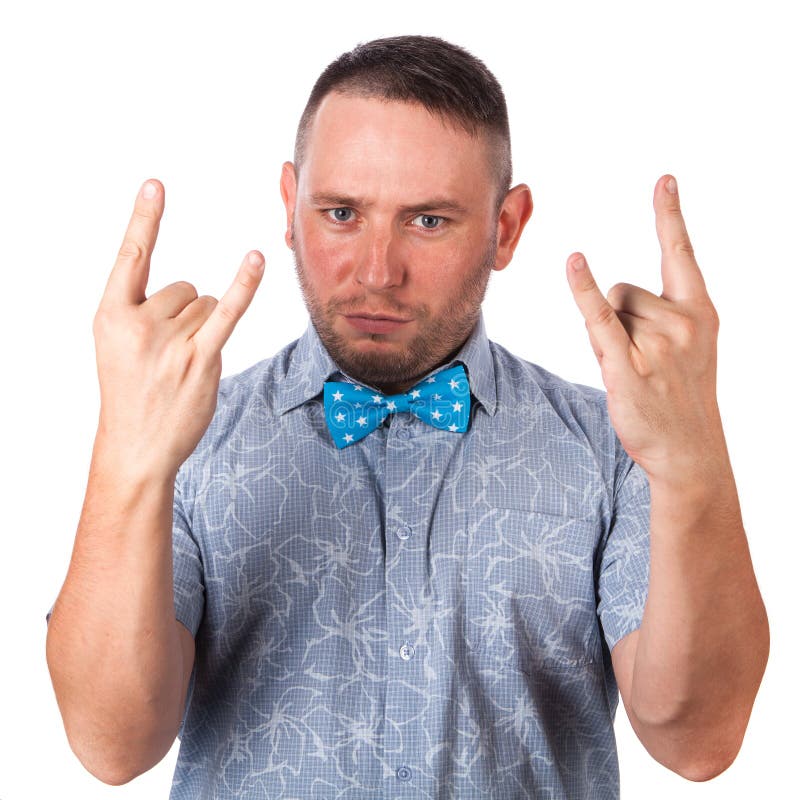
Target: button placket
{"x": 409, "y": 474}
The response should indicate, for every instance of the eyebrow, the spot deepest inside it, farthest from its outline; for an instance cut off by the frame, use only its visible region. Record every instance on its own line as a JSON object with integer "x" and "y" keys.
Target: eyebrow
{"x": 325, "y": 200}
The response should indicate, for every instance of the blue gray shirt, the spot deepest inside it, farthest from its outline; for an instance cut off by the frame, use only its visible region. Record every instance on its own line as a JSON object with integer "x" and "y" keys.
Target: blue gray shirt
{"x": 422, "y": 614}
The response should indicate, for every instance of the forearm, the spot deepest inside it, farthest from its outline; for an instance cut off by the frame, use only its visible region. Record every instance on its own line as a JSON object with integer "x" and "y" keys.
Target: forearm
{"x": 112, "y": 643}
{"x": 703, "y": 643}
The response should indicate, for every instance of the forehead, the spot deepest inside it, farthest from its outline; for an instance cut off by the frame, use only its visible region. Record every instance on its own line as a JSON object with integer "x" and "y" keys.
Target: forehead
{"x": 368, "y": 145}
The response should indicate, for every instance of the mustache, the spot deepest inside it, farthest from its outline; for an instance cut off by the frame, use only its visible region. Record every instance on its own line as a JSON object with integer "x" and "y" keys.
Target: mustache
{"x": 356, "y": 305}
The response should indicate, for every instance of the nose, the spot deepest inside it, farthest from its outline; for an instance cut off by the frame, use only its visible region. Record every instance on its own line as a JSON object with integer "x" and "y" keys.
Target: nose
{"x": 379, "y": 264}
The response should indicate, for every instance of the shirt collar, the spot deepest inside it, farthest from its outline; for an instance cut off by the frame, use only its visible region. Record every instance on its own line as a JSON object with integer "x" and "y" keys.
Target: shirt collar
{"x": 311, "y": 365}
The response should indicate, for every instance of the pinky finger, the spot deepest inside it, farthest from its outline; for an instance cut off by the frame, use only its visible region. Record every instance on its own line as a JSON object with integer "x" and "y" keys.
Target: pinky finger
{"x": 216, "y": 330}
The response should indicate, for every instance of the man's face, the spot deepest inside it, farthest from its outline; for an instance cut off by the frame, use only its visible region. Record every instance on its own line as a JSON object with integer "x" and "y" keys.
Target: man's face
{"x": 394, "y": 231}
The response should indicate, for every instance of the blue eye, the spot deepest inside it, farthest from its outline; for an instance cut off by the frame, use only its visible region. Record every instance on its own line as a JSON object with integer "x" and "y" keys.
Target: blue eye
{"x": 341, "y": 214}
{"x": 429, "y": 221}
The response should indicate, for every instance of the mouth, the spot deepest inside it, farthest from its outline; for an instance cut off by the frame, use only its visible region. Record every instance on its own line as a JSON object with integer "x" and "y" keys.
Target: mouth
{"x": 379, "y": 323}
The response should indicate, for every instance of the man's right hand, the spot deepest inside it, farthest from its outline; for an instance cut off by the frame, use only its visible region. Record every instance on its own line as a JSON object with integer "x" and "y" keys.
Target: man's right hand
{"x": 159, "y": 358}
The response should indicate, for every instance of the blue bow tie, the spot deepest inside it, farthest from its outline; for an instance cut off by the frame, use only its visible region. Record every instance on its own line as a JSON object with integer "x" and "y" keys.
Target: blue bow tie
{"x": 353, "y": 411}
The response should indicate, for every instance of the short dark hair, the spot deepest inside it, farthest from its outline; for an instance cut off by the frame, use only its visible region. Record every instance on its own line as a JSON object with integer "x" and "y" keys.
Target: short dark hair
{"x": 442, "y": 77}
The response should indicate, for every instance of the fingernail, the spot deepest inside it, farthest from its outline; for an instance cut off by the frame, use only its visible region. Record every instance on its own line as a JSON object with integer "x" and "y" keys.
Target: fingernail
{"x": 672, "y": 186}
{"x": 255, "y": 261}
{"x": 579, "y": 263}
{"x": 148, "y": 190}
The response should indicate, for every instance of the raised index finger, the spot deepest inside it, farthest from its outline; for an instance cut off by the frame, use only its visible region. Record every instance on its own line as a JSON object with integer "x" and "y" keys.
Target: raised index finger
{"x": 680, "y": 275}
{"x": 128, "y": 279}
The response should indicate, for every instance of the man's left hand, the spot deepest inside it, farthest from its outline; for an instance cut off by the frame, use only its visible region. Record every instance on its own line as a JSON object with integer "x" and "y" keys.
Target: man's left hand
{"x": 658, "y": 354}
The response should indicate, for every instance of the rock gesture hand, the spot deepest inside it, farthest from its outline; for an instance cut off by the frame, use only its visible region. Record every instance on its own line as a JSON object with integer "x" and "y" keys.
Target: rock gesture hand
{"x": 159, "y": 357}
{"x": 657, "y": 354}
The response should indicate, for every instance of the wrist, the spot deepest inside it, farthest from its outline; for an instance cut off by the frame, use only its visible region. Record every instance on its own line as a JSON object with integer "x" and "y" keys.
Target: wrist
{"x": 700, "y": 494}
{"x": 693, "y": 459}
{"x": 124, "y": 463}
{"x": 690, "y": 473}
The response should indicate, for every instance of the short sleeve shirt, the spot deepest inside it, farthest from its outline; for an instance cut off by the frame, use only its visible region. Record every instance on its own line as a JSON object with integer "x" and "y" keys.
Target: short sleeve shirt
{"x": 422, "y": 614}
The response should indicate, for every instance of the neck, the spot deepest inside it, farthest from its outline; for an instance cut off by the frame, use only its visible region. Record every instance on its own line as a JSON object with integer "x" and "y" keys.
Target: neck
{"x": 404, "y": 386}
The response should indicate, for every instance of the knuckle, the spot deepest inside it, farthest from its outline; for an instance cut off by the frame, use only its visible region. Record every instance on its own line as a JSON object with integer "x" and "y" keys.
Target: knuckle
{"x": 685, "y": 329}
{"x": 174, "y": 358}
{"x": 131, "y": 250}
{"x": 661, "y": 344}
{"x": 122, "y": 330}
{"x": 707, "y": 314}
{"x": 227, "y": 313}
{"x": 640, "y": 363}
{"x": 605, "y": 315}
{"x": 587, "y": 284}
{"x": 617, "y": 294}
{"x": 139, "y": 329}
{"x": 108, "y": 321}
{"x": 144, "y": 215}
{"x": 673, "y": 206}
{"x": 204, "y": 305}
{"x": 206, "y": 354}
{"x": 713, "y": 318}
{"x": 186, "y": 288}
{"x": 246, "y": 279}
{"x": 101, "y": 320}
{"x": 683, "y": 247}
{"x": 698, "y": 324}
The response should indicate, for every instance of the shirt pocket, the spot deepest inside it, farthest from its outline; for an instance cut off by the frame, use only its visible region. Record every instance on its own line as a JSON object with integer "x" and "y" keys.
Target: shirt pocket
{"x": 530, "y": 593}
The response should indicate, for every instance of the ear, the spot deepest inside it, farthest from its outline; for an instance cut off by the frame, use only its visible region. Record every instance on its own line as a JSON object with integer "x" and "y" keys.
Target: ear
{"x": 289, "y": 195}
{"x": 514, "y": 214}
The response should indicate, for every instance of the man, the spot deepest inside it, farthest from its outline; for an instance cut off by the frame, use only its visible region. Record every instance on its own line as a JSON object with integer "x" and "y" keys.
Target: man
{"x": 403, "y": 560}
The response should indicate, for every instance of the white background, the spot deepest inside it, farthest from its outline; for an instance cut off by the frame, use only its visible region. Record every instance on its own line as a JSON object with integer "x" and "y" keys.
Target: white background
{"x": 603, "y": 97}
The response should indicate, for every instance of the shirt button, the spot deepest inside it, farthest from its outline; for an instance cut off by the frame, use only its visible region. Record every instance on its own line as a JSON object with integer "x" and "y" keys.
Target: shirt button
{"x": 407, "y": 651}
{"x": 404, "y": 434}
{"x": 403, "y": 532}
{"x": 404, "y": 774}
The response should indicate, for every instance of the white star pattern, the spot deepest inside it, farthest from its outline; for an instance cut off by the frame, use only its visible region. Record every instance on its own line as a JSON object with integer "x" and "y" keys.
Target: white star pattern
{"x": 420, "y": 407}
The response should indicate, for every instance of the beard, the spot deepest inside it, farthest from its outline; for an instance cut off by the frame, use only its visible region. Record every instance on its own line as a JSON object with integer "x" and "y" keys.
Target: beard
{"x": 439, "y": 338}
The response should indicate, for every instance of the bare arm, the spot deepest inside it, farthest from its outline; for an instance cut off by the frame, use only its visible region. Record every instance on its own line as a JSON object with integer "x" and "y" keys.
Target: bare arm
{"x": 689, "y": 676}
{"x": 119, "y": 660}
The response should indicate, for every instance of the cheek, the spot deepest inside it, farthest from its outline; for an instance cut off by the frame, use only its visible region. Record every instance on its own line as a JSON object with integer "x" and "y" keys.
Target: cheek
{"x": 444, "y": 269}
{"x": 326, "y": 259}
{"x": 434, "y": 260}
